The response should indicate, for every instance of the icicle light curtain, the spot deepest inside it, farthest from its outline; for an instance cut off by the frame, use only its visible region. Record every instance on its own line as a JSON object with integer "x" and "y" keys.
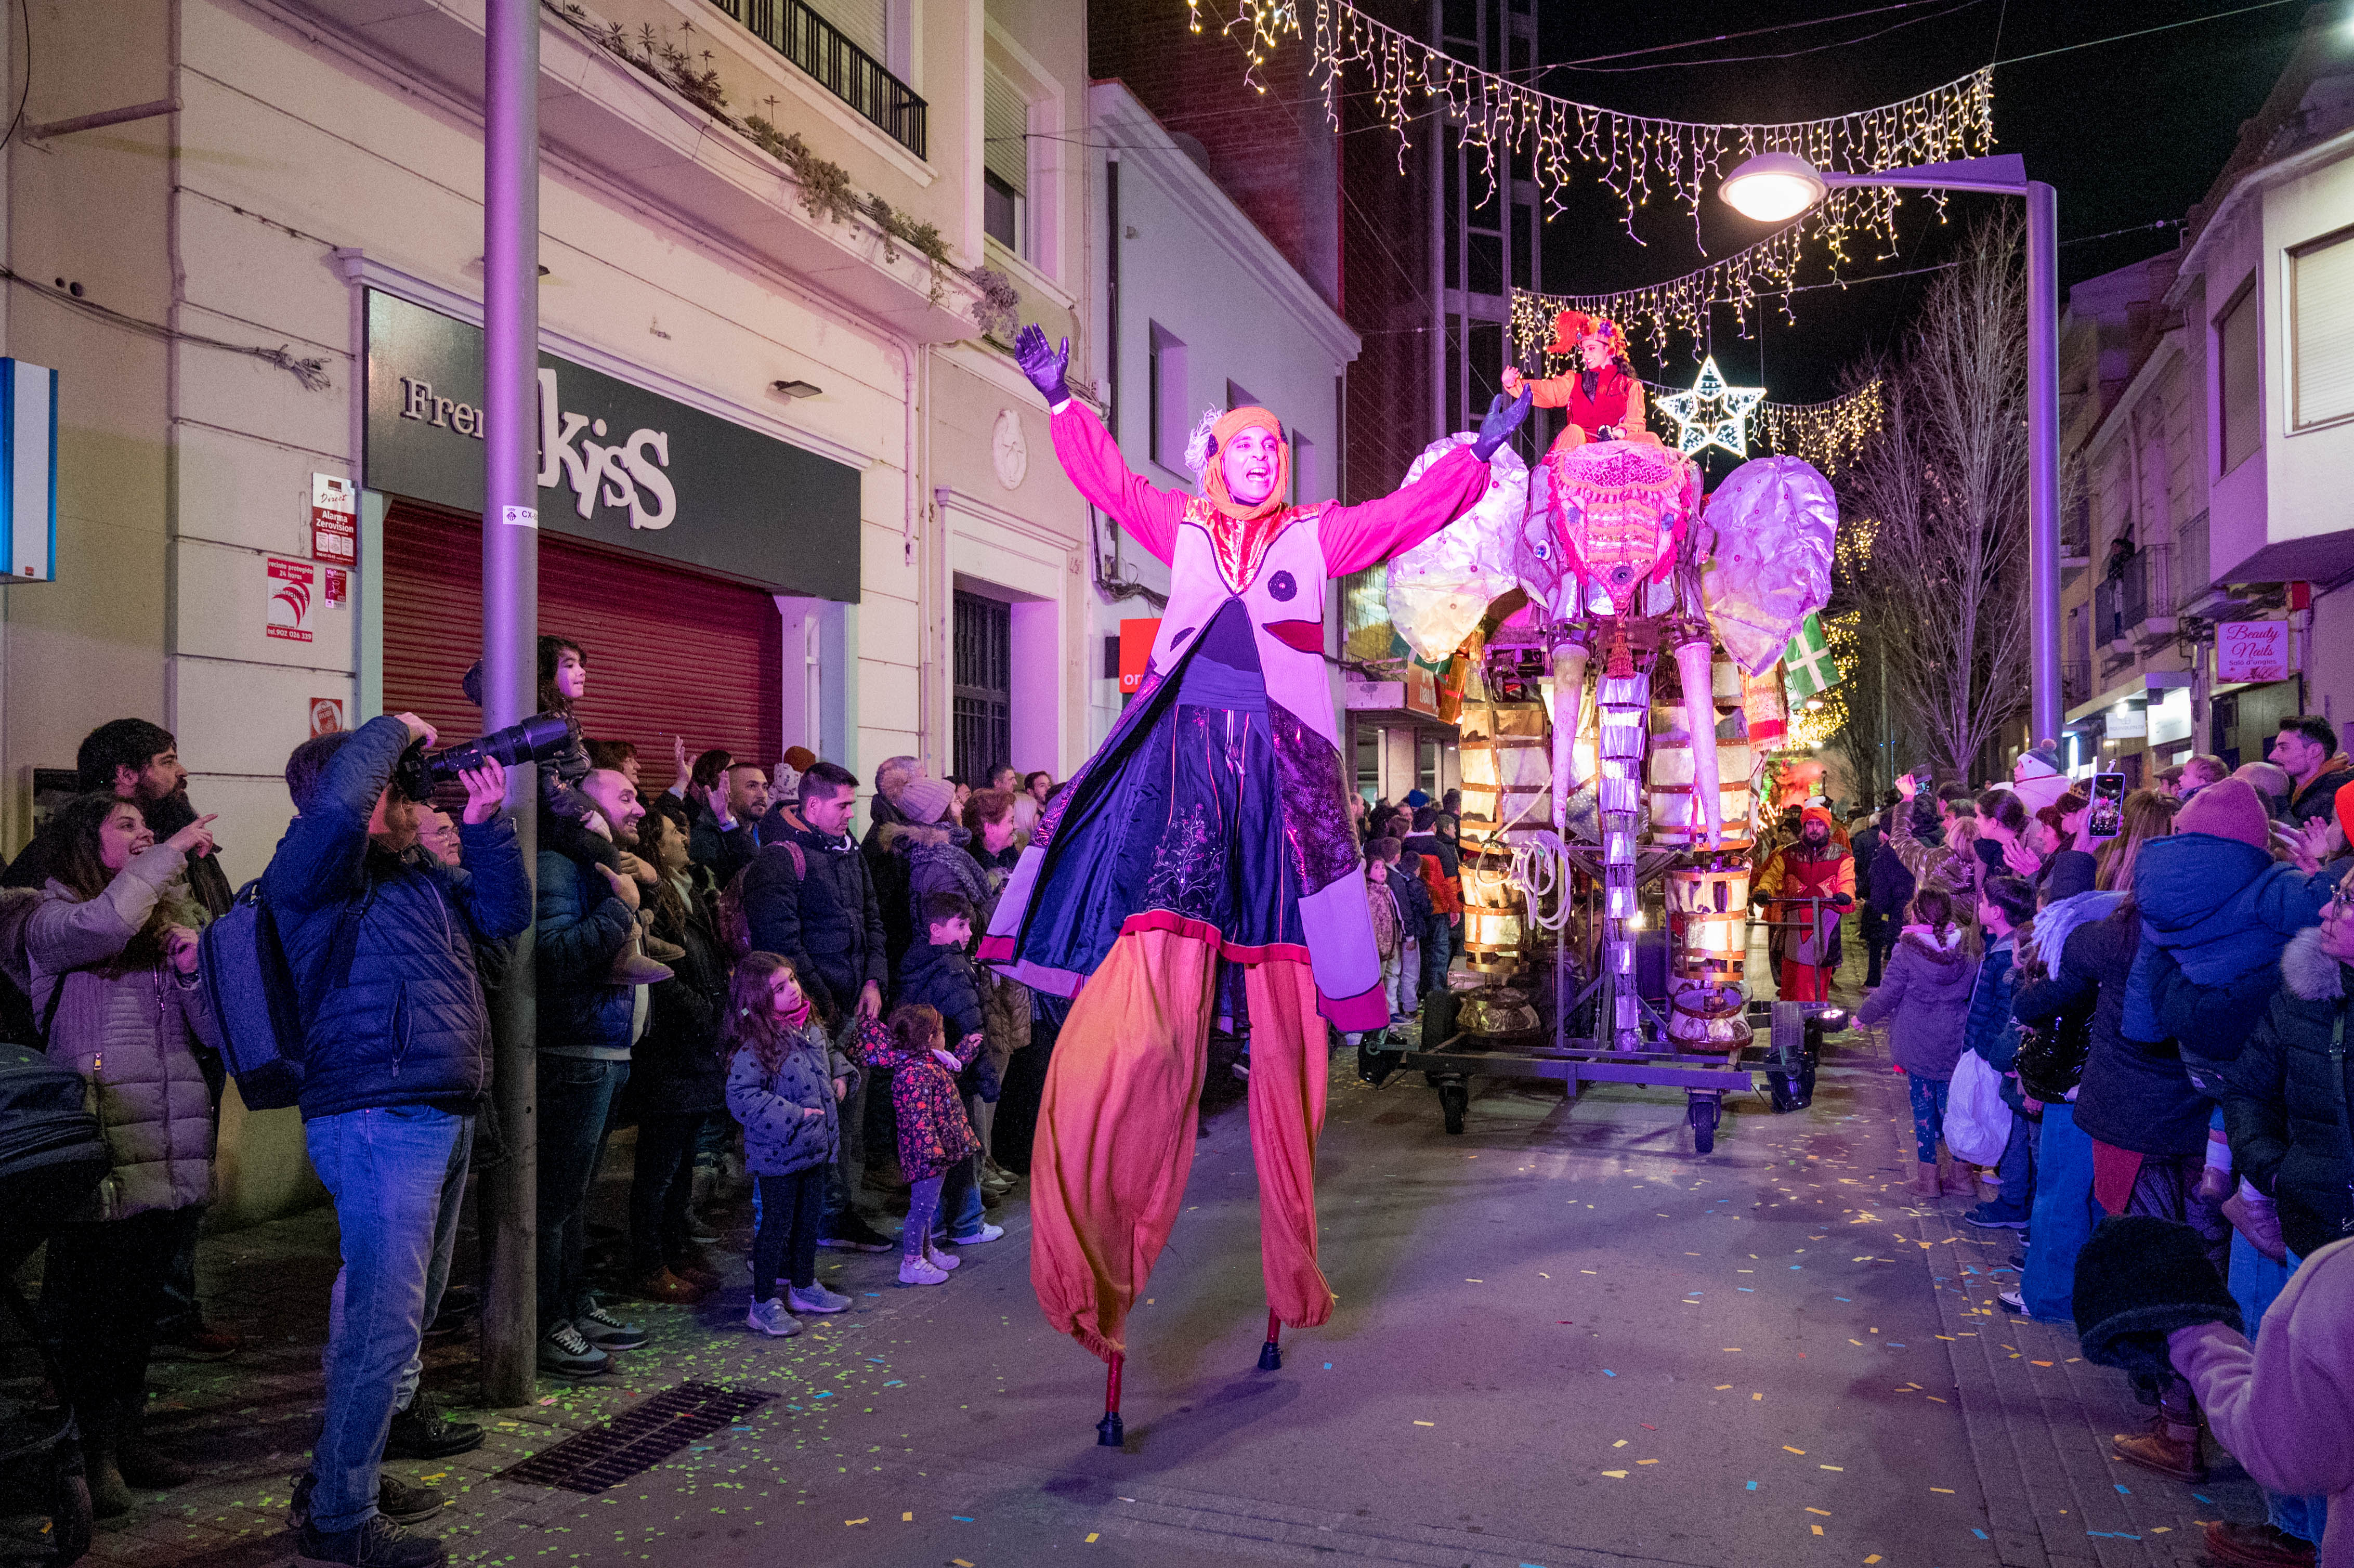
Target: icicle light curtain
{"x": 1638, "y": 156}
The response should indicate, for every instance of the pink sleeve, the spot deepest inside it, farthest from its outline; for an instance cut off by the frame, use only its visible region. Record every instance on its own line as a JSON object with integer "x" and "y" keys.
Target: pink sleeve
{"x": 1355, "y": 537}
{"x": 1092, "y": 459}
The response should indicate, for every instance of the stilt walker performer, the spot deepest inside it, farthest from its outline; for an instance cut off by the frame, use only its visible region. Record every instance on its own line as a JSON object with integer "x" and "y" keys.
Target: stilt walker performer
{"x": 1212, "y": 826}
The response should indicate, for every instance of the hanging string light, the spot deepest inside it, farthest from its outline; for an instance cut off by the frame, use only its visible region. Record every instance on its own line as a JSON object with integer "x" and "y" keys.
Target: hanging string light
{"x": 1637, "y": 156}
{"x": 1656, "y": 313}
{"x": 1829, "y": 434}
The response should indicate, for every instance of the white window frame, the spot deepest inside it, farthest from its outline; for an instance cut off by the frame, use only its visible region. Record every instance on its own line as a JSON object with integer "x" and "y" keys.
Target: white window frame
{"x": 1042, "y": 263}
{"x": 2297, "y": 422}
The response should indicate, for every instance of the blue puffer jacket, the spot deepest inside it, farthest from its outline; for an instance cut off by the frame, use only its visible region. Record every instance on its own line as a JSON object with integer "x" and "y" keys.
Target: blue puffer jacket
{"x": 2223, "y": 909}
{"x": 407, "y": 1026}
{"x": 583, "y": 927}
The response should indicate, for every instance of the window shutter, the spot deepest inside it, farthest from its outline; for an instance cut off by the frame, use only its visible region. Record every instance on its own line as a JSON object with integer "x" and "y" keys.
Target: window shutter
{"x": 2321, "y": 302}
{"x": 670, "y": 651}
{"x": 861, "y": 21}
{"x": 1005, "y": 125}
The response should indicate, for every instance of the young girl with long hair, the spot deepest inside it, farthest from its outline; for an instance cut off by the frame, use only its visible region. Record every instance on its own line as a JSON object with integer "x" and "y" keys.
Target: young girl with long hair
{"x": 1925, "y": 995}
{"x": 784, "y": 1079}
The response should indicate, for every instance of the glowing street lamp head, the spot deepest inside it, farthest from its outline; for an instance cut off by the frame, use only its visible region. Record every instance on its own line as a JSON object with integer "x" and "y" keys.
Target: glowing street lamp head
{"x": 1773, "y": 186}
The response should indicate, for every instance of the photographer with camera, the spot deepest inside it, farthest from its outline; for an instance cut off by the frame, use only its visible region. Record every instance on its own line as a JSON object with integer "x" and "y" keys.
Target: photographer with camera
{"x": 396, "y": 1038}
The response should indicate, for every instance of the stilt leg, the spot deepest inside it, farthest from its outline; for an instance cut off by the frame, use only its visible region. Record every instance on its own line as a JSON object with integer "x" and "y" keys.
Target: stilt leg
{"x": 1109, "y": 1434}
{"x": 1270, "y": 1354}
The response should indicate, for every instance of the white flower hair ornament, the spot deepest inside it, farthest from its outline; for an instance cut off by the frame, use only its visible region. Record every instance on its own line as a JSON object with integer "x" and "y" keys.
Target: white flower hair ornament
{"x": 1199, "y": 447}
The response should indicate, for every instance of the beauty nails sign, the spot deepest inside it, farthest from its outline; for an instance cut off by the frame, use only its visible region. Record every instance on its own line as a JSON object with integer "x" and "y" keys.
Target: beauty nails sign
{"x": 618, "y": 464}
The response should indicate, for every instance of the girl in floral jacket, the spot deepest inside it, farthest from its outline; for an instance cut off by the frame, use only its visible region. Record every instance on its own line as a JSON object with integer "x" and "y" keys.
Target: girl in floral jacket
{"x": 936, "y": 1140}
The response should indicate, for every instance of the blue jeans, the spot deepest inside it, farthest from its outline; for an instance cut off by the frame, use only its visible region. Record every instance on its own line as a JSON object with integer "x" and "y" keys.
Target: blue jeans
{"x": 399, "y": 1179}
{"x": 2257, "y": 1283}
{"x": 575, "y": 1100}
{"x": 2016, "y": 1172}
{"x": 2064, "y": 1215}
{"x": 1929, "y": 1096}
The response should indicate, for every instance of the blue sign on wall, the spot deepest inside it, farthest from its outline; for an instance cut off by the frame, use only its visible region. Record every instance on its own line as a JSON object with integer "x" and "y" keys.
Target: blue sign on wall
{"x": 28, "y": 471}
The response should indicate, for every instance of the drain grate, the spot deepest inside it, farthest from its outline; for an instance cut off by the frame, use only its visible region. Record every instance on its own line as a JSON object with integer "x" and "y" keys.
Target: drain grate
{"x": 637, "y": 1440}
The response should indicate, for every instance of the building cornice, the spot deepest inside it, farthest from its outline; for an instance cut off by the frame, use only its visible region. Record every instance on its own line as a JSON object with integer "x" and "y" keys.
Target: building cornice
{"x": 2251, "y": 185}
{"x": 2171, "y": 345}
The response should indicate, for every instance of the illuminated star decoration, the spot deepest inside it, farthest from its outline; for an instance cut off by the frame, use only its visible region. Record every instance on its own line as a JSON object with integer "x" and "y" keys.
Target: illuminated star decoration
{"x": 1712, "y": 414}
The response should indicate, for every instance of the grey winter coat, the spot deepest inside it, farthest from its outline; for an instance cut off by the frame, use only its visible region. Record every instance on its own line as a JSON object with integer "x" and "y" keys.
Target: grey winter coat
{"x": 779, "y": 1140}
{"x": 131, "y": 1037}
{"x": 1925, "y": 995}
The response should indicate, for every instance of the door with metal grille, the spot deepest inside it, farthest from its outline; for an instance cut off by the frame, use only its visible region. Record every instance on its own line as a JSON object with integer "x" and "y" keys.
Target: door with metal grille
{"x": 984, "y": 686}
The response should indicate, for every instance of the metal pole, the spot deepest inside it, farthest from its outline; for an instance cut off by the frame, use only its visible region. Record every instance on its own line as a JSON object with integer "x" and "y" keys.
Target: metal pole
{"x": 510, "y": 656}
{"x": 2043, "y": 456}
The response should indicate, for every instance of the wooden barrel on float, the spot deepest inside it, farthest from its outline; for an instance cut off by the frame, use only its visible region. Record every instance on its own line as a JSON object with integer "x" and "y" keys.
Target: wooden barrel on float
{"x": 1504, "y": 751}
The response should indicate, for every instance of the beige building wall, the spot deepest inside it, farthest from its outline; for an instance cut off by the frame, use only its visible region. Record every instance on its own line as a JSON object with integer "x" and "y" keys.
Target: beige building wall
{"x": 312, "y": 159}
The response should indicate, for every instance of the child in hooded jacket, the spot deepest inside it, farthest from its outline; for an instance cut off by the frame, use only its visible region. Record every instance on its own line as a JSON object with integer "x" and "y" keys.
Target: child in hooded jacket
{"x": 1925, "y": 995}
{"x": 785, "y": 1078}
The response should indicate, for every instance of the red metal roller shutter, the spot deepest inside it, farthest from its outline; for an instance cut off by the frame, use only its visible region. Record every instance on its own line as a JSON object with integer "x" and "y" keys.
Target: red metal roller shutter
{"x": 670, "y": 651}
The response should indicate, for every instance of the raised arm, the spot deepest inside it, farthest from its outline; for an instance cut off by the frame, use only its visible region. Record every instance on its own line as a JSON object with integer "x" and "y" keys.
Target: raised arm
{"x": 1090, "y": 456}
{"x": 1092, "y": 459}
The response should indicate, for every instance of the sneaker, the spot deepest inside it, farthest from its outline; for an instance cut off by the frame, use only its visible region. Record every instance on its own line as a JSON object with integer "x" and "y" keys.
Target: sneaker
{"x": 607, "y": 1332}
{"x": 771, "y": 1317}
{"x": 988, "y": 1233}
{"x": 565, "y": 1352}
{"x": 1990, "y": 1217}
{"x": 816, "y": 1298}
{"x": 853, "y": 1234}
{"x": 2015, "y": 1303}
{"x": 378, "y": 1543}
{"x": 919, "y": 1271}
{"x": 946, "y": 1262}
{"x": 422, "y": 1432}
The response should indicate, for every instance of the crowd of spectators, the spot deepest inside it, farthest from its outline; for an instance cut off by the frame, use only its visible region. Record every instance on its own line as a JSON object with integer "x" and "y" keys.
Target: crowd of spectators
{"x": 781, "y": 1011}
{"x": 2162, "y": 1010}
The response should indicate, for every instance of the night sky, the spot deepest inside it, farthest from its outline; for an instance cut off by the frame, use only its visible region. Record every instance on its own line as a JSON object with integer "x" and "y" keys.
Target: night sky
{"x": 2127, "y": 132}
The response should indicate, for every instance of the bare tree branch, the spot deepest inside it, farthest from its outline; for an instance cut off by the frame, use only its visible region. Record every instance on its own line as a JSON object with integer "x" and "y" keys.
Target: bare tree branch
{"x": 1943, "y": 487}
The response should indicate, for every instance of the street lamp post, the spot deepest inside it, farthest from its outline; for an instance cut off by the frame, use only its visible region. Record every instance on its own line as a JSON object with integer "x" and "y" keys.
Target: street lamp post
{"x": 1775, "y": 186}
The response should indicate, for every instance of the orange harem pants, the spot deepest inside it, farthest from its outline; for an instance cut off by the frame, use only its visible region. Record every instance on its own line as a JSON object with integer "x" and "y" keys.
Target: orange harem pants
{"x": 1116, "y": 1132}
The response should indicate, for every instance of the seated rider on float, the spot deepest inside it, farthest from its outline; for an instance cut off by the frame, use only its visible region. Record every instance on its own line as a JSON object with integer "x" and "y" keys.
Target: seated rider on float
{"x": 1604, "y": 398}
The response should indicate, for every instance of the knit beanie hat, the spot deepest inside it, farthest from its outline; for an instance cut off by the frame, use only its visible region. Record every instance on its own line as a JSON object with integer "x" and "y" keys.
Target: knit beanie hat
{"x": 2036, "y": 778}
{"x": 800, "y": 759}
{"x": 2138, "y": 1280}
{"x": 2231, "y": 809}
{"x": 924, "y": 800}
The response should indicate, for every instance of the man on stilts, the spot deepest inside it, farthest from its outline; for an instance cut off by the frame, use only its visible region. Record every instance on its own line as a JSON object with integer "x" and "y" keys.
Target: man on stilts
{"x": 1211, "y": 829}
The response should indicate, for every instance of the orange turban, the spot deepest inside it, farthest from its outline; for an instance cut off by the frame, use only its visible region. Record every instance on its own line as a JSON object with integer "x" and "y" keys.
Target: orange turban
{"x": 1233, "y": 423}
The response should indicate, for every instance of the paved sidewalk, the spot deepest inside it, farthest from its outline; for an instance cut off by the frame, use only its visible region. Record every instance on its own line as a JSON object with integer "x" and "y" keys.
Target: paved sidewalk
{"x": 1562, "y": 1340}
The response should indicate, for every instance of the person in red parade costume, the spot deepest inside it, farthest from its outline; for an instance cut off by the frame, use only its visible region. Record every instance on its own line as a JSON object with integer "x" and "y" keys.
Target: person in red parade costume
{"x": 1793, "y": 879}
{"x": 1604, "y": 398}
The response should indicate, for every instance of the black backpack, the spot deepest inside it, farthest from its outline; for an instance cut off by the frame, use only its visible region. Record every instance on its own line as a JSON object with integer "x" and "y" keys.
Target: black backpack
{"x": 256, "y": 1000}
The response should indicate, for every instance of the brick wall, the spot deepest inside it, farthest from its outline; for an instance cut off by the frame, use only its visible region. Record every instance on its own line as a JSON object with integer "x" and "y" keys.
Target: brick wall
{"x": 1260, "y": 148}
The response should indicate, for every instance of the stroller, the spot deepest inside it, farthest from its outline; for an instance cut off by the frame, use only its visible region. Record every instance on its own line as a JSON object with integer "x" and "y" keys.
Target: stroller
{"x": 51, "y": 1155}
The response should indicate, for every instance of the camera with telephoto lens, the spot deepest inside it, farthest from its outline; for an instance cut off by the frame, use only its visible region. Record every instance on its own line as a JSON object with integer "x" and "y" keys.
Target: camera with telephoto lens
{"x": 536, "y": 739}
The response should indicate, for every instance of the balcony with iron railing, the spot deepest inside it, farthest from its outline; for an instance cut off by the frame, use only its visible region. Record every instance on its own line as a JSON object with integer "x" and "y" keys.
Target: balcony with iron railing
{"x": 2136, "y": 602}
{"x": 841, "y": 67}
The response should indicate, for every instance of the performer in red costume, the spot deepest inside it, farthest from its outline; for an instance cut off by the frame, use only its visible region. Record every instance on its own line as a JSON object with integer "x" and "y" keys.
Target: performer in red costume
{"x": 1808, "y": 883}
{"x": 1604, "y": 398}
{"x": 1210, "y": 832}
